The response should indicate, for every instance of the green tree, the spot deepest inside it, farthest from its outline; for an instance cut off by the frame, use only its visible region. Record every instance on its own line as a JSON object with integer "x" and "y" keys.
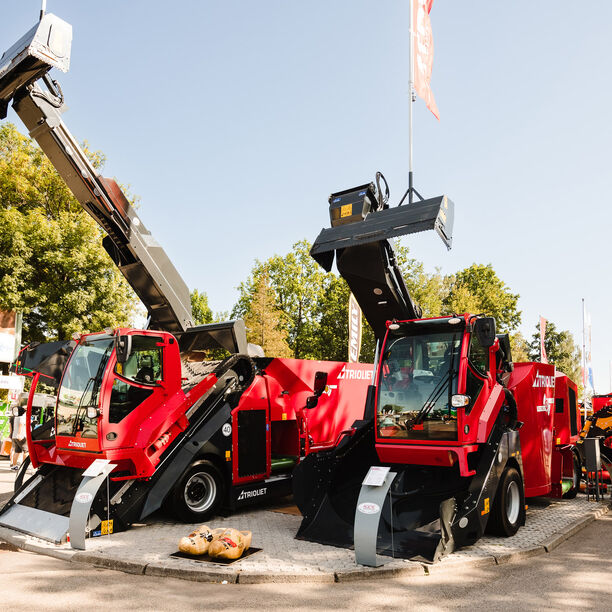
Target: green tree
{"x": 519, "y": 348}
{"x": 428, "y": 290}
{"x": 332, "y": 336}
{"x": 478, "y": 289}
{"x": 299, "y": 285}
{"x": 561, "y": 350}
{"x": 53, "y": 267}
{"x": 264, "y": 321}
{"x": 200, "y": 310}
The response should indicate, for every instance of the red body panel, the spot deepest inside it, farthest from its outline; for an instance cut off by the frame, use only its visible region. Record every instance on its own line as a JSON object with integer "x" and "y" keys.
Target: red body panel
{"x": 292, "y": 429}
{"x": 601, "y": 401}
{"x": 533, "y": 385}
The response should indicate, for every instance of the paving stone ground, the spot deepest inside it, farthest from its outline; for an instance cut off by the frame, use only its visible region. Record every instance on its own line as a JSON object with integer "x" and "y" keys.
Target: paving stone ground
{"x": 147, "y": 548}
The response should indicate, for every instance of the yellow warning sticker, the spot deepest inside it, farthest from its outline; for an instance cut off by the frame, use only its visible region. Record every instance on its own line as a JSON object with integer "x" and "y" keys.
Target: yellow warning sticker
{"x": 107, "y": 527}
{"x": 486, "y": 507}
{"x": 284, "y": 417}
{"x": 346, "y": 210}
{"x": 228, "y": 455}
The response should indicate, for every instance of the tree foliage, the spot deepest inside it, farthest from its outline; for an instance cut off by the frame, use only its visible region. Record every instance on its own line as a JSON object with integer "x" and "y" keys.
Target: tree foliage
{"x": 53, "y": 267}
{"x": 314, "y": 304}
{"x": 519, "y": 348}
{"x": 200, "y": 310}
{"x": 478, "y": 289}
{"x": 561, "y": 350}
{"x": 299, "y": 285}
{"x": 264, "y": 320}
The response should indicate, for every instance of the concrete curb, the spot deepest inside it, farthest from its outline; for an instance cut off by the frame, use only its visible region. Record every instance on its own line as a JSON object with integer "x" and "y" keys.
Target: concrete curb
{"x": 519, "y": 555}
{"x": 64, "y": 555}
{"x": 10, "y": 540}
{"x": 166, "y": 570}
{"x": 364, "y": 573}
{"x": 248, "y": 577}
{"x": 121, "y": 565}
{"x": 558, "y": 538}
{"x": 453, "y": 564}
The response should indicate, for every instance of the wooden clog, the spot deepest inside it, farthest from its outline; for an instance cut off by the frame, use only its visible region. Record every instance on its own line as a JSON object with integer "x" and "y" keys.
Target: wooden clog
{"x": 198, "y": 541}
{"x": 231, "y": 544}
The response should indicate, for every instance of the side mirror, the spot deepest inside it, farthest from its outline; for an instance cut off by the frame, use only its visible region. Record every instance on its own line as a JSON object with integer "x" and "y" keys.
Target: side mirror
{"x": 484, "y": 328}
{"x": 312, "y": 401}
{"x": 123, "y": 348}
{"x": 320, "y": 382}
{"x": 92, "y": 412}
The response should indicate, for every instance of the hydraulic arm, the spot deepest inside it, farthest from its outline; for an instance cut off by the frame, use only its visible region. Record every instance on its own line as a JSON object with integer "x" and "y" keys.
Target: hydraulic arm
{"x": 39, "y": 102}
{"x": 362, "y": 226}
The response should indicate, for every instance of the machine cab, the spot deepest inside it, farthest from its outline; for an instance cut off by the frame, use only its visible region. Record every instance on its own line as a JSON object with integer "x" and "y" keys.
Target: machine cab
{"x": 112, "y": 383}
{"x": 433, "y": 380}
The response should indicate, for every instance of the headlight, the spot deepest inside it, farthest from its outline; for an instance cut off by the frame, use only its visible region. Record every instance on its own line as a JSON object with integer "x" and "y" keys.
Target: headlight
{"x": 459, "y": 401}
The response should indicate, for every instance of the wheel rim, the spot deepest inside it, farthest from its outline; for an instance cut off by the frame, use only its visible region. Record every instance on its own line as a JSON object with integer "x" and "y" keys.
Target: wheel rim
{"x": 513, "y": 502}
{"x": 200, "y": 492}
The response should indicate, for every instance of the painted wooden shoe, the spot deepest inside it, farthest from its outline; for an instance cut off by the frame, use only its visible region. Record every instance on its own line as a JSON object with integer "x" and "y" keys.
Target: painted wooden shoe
{"x": 231, "y": 544}
{"x": 198, "y": 541}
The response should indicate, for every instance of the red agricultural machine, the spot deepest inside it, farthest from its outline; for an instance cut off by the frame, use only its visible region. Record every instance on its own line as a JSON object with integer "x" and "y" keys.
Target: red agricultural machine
{"x": 468, "y": 433}
{"x": 193, "y": 418}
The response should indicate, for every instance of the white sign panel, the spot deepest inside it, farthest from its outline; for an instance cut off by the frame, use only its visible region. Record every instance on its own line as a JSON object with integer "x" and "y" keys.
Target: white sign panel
{"x": 96, "y": 467}
{"x": 7, "y": 347}
{"x": 376, "y": 476}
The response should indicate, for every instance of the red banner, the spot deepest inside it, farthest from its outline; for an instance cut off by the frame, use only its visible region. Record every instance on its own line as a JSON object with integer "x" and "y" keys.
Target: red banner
{"x": 423, "y": 52}
{"x": 543, "y": 357}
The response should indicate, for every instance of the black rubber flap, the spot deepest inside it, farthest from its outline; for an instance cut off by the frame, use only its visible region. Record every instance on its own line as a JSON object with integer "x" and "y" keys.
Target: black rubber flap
{"x": 326, "y": 489}
{"x": 435, "y": 213}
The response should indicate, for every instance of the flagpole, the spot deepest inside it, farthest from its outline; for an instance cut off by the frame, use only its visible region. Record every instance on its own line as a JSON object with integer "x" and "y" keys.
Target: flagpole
{"x": 411, "y": 101}
{"x": 584, "y": 372}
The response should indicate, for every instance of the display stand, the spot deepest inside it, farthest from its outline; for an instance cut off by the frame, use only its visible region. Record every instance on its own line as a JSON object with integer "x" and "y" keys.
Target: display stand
{"x": 371, "y": 501}
{"x": 93, "y": 477}
{"x": 593, "y": 467}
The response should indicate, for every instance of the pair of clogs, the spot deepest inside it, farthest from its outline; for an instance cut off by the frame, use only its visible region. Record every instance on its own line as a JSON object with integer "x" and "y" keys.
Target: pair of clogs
{"x": 218, "y": 543}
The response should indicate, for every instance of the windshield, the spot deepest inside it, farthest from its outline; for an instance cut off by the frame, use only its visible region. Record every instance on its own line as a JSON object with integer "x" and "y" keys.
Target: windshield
{"x": 418, "y": 376}
{"x": 81, "y": 388}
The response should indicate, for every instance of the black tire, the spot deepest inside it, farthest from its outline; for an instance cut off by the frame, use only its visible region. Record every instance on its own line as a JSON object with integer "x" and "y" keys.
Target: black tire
{"x": 508, "y": 511}
{"x": 198, "y": 494}
{"x": 576, "y": 476}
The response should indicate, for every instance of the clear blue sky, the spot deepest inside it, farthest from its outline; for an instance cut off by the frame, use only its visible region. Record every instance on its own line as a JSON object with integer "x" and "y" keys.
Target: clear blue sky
{"x": 234, "y": 120}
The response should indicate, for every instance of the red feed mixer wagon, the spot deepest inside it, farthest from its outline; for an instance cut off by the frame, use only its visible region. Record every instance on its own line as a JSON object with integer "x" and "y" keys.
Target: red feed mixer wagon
{"x": 191, "y": 417}
{"x": 468, "y": 434}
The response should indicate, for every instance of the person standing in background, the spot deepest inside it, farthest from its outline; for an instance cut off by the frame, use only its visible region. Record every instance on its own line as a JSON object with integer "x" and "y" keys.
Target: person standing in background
{"x": 18, "y": 436}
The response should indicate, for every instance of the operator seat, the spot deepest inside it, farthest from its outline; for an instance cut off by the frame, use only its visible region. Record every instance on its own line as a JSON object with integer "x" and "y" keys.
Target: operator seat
{"x": 145, "y": 375}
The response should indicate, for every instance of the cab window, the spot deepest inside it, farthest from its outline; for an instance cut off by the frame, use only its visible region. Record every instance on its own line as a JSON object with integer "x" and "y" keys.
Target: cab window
{"x": 125, "y": 398}
{"x": 144, "y": 365}
{"x": 478, "y": 356}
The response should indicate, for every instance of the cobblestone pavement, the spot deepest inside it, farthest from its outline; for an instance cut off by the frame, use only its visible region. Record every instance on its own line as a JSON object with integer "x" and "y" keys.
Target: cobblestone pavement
{"x": 147, "y": 548}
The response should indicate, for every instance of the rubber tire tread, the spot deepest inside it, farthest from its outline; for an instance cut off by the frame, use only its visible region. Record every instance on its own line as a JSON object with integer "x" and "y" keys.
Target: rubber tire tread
{"x": 176, "y": 500}
{"x": 498, "y": 523}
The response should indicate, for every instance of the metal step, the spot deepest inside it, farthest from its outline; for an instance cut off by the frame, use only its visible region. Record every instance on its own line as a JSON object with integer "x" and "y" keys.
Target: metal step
{"x": 39, "y": 523}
